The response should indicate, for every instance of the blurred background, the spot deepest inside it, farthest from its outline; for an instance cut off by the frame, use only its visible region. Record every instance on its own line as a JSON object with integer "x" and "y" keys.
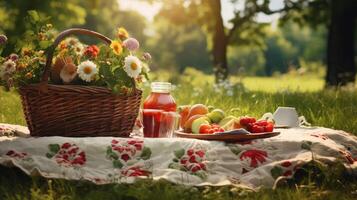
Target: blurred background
{"x": 223, "y": 39}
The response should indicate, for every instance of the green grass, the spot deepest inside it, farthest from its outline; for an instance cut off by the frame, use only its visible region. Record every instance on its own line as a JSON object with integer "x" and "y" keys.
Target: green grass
{"x": 330, "y": 108}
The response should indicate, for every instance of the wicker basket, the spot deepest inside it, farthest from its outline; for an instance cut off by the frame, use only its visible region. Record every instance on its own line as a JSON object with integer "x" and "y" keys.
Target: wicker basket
{"x": 74, "y": 110}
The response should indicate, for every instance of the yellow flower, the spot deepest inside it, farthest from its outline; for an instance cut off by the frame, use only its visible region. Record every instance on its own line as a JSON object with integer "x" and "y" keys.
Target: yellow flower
{"x": 122, "y": 33}
{"x": 28, "y": 75}
{"x": 117, "y": 47}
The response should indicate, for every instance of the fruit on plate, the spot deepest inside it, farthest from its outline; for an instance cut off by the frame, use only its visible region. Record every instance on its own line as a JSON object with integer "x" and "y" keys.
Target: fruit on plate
{"x": 254, "y": 126}
{"x": 227, "y": 119}
{"x": 210, "y": 129}
{"x": 216, "y": 115}
{"x": 233, "y": 124}
{"x": 197, "y": 123}
{"x": 197, "y": 109}
{"x": 188, "y": 123}
{"x": 183, "y": 112}
{"x": 210, "y": 108}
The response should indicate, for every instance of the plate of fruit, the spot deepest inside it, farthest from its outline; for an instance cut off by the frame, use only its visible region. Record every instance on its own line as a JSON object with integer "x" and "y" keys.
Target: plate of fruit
{"x": 207, "y": 123}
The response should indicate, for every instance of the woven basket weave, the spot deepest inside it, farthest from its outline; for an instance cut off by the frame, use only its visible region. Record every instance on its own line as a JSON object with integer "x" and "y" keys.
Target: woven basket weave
{"x": 74, "y": 110}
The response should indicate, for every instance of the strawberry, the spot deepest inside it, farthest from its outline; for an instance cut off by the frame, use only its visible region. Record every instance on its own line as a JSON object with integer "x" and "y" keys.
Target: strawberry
{"x": 204, "y": 128}
{"x": 269, "y": 127}
{"x": 261, "y": 123}
{"x": 244, "y": 121}
{"x": 257, "y": 129}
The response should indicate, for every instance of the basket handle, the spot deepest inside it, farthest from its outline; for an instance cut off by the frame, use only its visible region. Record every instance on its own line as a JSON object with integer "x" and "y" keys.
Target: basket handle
{"x": 61, "y": 37}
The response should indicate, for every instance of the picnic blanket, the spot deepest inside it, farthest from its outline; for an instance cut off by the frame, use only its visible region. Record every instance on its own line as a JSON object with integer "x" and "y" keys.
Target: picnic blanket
{"x": 102, "y": 160}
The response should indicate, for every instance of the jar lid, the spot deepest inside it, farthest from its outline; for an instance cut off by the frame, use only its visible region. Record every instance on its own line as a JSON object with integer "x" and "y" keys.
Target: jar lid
{"x": 164, "y": 87}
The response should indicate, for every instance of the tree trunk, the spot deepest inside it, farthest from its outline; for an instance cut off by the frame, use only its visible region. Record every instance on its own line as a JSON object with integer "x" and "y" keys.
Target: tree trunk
{"x": 220, "y": 43}
{"x": 341, "y": 68}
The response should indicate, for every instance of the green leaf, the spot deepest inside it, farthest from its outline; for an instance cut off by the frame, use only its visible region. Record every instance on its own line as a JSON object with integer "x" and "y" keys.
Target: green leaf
{"x": 201, "y": 174}
{"x": 54, "y": 148}
{"x": 49, "y": 155}
{"x": 306, "y": 145}
{"x": 146, "y": 154}
{"x": 45, "y": 44}
{"x": 109, "y": 150}
{"x": 34, "y": 17}
{"x": 235, "y": 150}
{"x": 174, "y": 166}
{"x": 117, "y": 164}
{"x": 179, "y": 153}
{"x": 276, "y": 172}
{"x": 175, "y": 160}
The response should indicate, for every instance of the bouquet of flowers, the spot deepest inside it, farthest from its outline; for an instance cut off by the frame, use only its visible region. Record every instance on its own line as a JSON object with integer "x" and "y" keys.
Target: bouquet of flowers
{"x": 119, "y": 66}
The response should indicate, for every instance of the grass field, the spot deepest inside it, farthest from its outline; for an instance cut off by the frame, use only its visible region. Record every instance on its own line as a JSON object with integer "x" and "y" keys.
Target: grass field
{"x": 330, "y": 108}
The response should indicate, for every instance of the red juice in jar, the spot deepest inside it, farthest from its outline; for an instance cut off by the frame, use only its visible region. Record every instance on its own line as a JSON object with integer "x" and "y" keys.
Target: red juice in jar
{"x": 156, "y": 108}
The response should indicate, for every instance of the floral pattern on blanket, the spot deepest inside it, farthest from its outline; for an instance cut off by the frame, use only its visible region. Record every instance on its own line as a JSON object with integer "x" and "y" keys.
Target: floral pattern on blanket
{"x": 253, "y": 164}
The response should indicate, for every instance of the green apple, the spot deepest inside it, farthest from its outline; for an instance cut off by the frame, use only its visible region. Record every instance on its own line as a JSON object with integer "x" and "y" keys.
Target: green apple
{"x": 225, "y": 120}
{"x": 197, "y": 123}
{"x": 216, "y": 115}
{"x": 210, "y": 108}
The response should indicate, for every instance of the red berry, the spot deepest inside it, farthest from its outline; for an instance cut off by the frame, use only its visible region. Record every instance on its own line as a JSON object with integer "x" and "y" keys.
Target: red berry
{"x": 211, "y": 131}
{"x": 215, "y": 126}
{"x": 257, "y": 129}
{"x": 261, "y": 123}
{"x": 251, "y": 120}
{"x": 221, "y": 130}
{"x": 269, "y": 127}
{"x": 244, "y": 121}
{"x": 204, "y": 128}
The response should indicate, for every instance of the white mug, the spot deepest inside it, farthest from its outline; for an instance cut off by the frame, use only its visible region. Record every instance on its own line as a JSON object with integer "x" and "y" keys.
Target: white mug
{"x": 286, "y": 116}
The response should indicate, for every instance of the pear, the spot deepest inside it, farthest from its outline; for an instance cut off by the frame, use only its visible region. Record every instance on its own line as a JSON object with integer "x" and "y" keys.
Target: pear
{"x": 197, "y": 123}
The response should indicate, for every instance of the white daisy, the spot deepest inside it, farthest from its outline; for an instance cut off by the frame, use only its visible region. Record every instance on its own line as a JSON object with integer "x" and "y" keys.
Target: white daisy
{"x": 78, "y": 48}
{"x": 132, "y": 66}
{"x": 87, "y": 71}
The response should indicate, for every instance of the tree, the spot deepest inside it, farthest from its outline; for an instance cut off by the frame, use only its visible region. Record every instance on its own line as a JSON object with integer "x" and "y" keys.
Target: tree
{"x": 207, "y": 14}
{"x": 339, "y": 16}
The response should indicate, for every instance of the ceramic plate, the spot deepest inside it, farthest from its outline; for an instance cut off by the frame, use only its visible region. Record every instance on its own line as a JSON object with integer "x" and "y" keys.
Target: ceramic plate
{"x": 227, "y": 137}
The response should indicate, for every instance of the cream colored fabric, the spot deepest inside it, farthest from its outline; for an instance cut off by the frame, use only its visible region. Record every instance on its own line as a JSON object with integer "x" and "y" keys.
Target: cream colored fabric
{"x": 183, "y": 161}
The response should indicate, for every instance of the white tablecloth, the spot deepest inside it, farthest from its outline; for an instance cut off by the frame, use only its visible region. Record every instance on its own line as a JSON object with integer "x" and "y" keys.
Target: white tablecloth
{"x": 183, "y": 161}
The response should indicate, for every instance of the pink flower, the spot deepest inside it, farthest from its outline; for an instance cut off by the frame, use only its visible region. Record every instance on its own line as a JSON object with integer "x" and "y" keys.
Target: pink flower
{"x": 190, "y": 152}
{"x": 14, "y": 57}
{"x": 3, "y": 39}
{"x": 286, "y": 164}
{"x": 66, "y": 145}
{"x": 200, "y": 153}
{"x": 255, "y": 156}
{"x": 146, "y": 56}
{"x": 131, "y": 44}
{"x": 125, "y": 157}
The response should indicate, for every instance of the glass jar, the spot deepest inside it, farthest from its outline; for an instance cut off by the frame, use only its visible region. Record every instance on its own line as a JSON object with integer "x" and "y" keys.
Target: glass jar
{"x": 159, "y": 111}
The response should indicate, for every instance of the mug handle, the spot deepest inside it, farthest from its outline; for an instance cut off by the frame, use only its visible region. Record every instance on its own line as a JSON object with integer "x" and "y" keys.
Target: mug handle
{"x": 303, "y": 121}
{"x": 267, "y": 116}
